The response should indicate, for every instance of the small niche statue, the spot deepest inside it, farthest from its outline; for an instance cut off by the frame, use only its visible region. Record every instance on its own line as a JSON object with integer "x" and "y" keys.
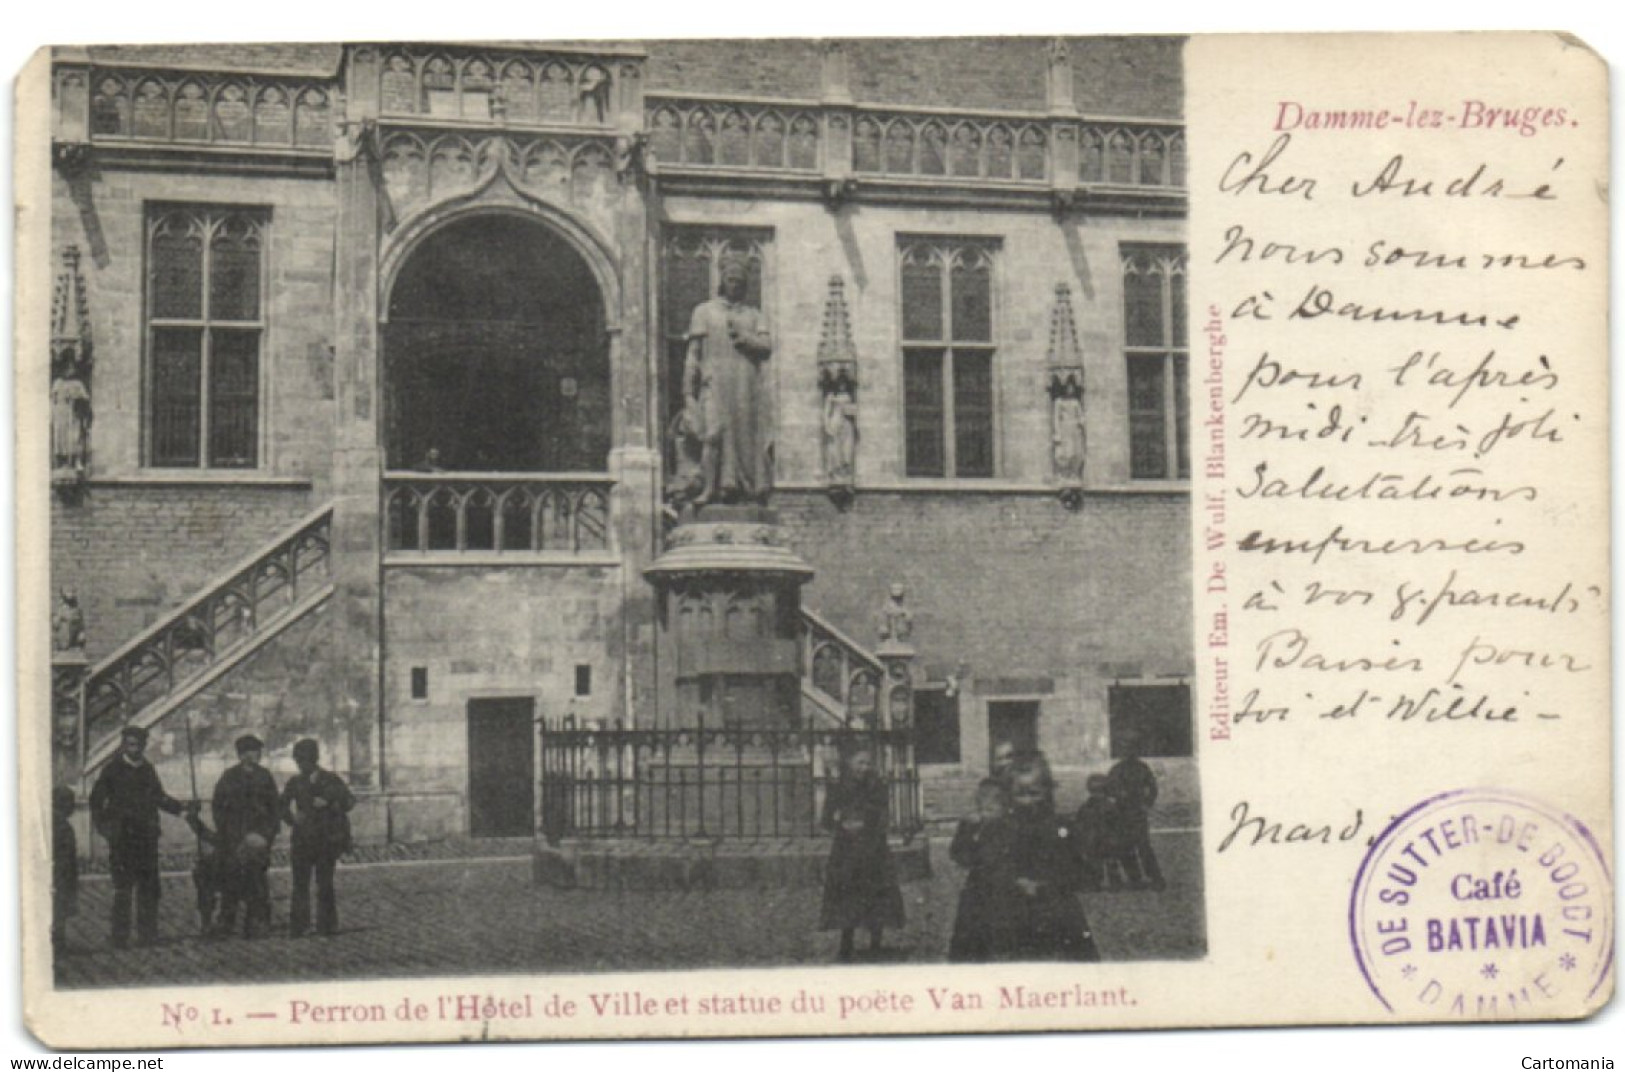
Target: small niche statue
{"x": 1070, "y": 438}
{"x": 840, "y": 434}
{"x": 67, "y": 623}
{"x": 70, "y": 422}
{"x": 896, "y": 620}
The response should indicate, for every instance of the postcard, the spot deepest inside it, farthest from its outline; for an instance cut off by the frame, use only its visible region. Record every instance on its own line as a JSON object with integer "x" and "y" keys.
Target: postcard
{"x": 792, "y": 537}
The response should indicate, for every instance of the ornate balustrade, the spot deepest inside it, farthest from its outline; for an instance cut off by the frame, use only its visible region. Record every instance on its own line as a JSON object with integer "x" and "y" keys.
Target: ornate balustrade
{"x": 427, "y": 513}
{"x": 841, "y": 674}
{"x": 1018, "y": 149}
{"x": 210, "y": 108}
{"x": 203, "y": 634}
{"x": 1131, "y": 153}
{"x": 939, "y": 145}
{"x": 511, "y": 86}
{"x": 770, "y": 135}
{"x": 708, "y": 782}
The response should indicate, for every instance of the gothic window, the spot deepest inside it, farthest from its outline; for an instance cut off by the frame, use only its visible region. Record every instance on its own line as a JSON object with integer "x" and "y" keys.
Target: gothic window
{"x": 866, "y": 145}
{"x": 191, "y": 113}
{"x": 1150, "y": 719}
{"x": 204, "y": 331}
{"x": 110, "y": 108}
{"x": 311, "y": 119}
{"x": 1032, "y": 158}
{"x": 1151, "y": 159}
{"x": 804, "y": 142}
{"x": 1154, "y": 337}
{"x": 947, "y": 331}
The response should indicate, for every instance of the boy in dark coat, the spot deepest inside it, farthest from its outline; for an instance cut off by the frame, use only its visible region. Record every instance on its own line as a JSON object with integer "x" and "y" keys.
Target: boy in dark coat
{"x": 124, "y": 807}
{"x": 1039, "y": 914}
{"x": 981, "y": 846}
{"x": 1133, "y": 788}
{"x": 860, "y": 880}
{"x": 64, "y": 866}
{"x": 1100, "y": 840}
{"x": 245, "y": 818}
{"x": 316, "y": 806}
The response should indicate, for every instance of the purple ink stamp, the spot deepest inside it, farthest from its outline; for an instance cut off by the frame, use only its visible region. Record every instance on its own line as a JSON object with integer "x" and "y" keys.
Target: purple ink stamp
{"x": 1484, "y": 905}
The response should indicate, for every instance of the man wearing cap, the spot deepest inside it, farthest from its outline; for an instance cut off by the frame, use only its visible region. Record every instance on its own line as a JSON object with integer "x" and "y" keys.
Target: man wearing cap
{"x": 245, "y": 820}
{"x": 316, "y": 805}
{"x": 124, "y": 806}
{"x": 727, "y": 392}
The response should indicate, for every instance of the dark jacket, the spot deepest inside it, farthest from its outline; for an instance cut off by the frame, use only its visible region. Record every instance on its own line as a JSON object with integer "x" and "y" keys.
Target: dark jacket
{"x": 126, "y": 799}
{"x": 982, "y": 847}
{"x": 1133, "y": 787}
{"x": 245, "y": 802}
{"x": 860, "y": 880}
{"x": 1047, "y": 924}
{"x": 318, "y": 829}
{"x": 64, "y": 863}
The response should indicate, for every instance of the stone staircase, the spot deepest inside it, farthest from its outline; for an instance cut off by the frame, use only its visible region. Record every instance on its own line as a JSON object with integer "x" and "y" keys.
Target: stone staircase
{"x": 194, "y": 645}
{"x": 841, "y": 681}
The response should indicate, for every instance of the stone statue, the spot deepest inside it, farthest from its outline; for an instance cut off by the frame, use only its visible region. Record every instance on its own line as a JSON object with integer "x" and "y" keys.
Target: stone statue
{"x": 1067, "y": 430}
{"x": 70, "y": 421}
{"x": 67, "y": 623}
{"x": 840, "y": 434}
{"x": 727, "y": 393}
{"x": 896, "y": 620}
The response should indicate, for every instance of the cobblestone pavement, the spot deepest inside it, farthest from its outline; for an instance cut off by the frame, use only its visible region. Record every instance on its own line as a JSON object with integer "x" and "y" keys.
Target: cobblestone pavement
{"x": 485, "y": 916}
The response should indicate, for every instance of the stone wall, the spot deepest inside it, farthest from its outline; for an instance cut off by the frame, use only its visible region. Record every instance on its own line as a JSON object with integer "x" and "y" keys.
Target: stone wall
{"x": 134, "y": 551}
{"x": 508, "y": 631}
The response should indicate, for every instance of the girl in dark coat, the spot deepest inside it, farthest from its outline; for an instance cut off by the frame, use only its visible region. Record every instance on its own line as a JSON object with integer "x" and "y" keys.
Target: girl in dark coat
{"x": 860, "y": 880}
{"x": 1040, "y": 917}
{"x": 981, "y": 846}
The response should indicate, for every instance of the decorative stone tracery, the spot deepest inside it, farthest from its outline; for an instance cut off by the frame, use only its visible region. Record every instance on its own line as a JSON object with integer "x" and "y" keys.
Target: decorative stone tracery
{"x": 1068, "y": 435}
{"x": 71, "y": 361}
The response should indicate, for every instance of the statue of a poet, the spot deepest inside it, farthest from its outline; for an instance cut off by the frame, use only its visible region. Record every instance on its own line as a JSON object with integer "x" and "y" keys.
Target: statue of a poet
{"x": 728, "y": 393}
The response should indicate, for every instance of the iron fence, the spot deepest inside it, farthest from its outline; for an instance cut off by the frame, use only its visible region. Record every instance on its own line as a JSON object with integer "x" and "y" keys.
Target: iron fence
{"x": 711, "y": 782}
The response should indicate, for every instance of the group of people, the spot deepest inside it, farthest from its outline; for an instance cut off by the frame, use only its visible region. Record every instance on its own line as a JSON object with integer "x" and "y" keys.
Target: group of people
{"x": 233, "y": 857}
{"x": 1025, "y": 863}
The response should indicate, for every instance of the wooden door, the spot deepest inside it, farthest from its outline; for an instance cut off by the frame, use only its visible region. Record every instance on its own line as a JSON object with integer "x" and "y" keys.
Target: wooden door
{"x": 502, "y": 767}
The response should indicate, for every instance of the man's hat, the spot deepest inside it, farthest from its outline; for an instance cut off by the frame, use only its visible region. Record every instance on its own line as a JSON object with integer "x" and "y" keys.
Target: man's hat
{"x": 308, "y": 748}
{"x": 733, "y": 261}
{"x": 138, "y": 733}
{"x": 249, "y": 743}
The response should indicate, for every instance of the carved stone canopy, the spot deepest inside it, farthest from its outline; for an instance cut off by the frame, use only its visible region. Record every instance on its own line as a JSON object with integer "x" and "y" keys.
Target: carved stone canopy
{"x": 70, "y": 313}
{"x": 1064, "y": 357}
{"x": 837, "y": 356}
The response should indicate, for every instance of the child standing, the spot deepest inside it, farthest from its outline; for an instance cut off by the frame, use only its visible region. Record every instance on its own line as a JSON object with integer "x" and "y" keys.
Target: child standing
{"x": 981, "y": 846}
{"x": 64, "y": 867}
{"x": 1039, "y": 914}
{"x": 1133, "y": 787}
{"x": 860, "y": 880}
{"x": 1100, "y": 840}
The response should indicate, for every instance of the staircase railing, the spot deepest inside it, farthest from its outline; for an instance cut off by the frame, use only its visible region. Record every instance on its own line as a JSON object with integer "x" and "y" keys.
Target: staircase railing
{"x": 838, "y": 674}
{"x": 191, "y": 645}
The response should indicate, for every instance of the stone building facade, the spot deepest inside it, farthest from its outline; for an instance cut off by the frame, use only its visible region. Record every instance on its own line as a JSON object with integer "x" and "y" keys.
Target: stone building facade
{"x": 382, "y": 344}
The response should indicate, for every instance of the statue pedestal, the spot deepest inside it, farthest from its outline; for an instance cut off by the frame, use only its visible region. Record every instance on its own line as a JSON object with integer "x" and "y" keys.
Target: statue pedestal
{"x": 729, "y": 591}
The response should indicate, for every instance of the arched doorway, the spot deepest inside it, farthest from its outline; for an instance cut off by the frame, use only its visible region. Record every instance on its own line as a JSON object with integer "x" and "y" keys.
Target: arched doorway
{"x": 495, "y": 357}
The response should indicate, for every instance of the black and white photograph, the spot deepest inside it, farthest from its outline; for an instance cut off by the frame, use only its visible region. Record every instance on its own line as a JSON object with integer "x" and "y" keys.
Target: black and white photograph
{"x": 619, "y": 506}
